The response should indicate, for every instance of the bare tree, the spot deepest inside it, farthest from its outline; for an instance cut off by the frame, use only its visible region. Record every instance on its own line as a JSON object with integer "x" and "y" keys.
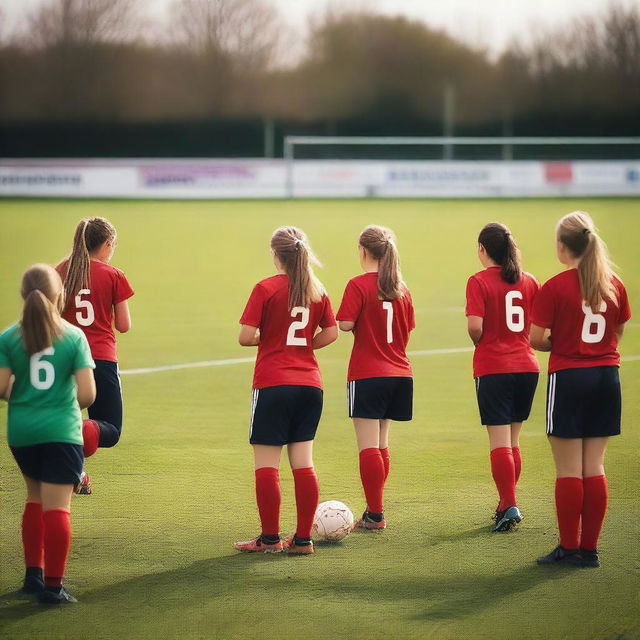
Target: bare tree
{"x": 247, "y": 31}
{"x": 82, "y": 22}
{"x": 593, "y": 63}
{"x": 3, "y": 27}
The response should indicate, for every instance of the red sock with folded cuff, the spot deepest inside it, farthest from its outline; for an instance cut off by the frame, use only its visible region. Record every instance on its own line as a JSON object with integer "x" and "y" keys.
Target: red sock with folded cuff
{"x": 90, "y": 437}
{"x": 517, "y": 462}
{"x": 33, "y": 535}
{"x": 268, "y": 498}
{"x": 57, "y": 540}
{"x": 372, "y": 476}
{"x": 307, "y": 491}
{"x": 569, "y": 496}
{"x": 386, "y": 461}
{"x": 594, "y": 507}
{"x": 504, "y": 475}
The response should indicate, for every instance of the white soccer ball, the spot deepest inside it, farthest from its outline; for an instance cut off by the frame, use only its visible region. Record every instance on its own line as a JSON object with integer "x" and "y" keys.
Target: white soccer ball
{"x": 333, "y": 521}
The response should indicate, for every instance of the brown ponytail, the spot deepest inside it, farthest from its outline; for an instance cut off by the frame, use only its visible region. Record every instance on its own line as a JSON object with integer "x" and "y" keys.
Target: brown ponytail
{"x": 380, "y": 243}
{"x": 500, "y": 246}
{"x": 291, "y": 247}
{"x": 43, "y": 298}
{"x": 578, "y": 233}
{"x": 89, "y": 235}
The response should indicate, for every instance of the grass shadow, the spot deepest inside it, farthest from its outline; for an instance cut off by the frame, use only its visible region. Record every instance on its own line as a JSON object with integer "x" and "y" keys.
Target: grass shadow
{"x": 201, "y": 580}
{"x": 462, "y": 592}
{"x": 458, "y": 592}
{"x": 431, "y": 541}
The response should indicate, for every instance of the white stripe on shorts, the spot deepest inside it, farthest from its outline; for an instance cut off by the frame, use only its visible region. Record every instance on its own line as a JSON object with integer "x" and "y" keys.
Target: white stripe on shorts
{"x": 551, "y": 400}
{"x": 352, "y": 396}
{"x": 254, "y": 403}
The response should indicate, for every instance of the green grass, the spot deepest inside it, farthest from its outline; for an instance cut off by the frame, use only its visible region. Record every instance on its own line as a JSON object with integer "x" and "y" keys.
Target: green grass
{"x": 151, "y": 555}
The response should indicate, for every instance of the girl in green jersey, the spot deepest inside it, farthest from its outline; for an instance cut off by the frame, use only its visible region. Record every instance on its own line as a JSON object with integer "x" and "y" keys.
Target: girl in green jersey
{"x": 46, "y": 375}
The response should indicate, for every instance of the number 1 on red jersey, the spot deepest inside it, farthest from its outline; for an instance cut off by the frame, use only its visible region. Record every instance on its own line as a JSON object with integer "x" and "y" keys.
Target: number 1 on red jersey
{"x": 388, "y": 307}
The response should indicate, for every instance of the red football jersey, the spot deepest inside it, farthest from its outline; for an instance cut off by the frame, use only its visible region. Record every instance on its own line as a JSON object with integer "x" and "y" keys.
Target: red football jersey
{"x": 285, "y": 352}
{"x": 381, "y": 330}
{"x": 92, "y": 308}
{"x": 579, "y": 337}
{"x": 505, "y": 310}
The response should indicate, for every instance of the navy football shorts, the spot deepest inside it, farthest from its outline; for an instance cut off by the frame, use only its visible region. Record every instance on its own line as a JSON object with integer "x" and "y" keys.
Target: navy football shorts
{"x": 108, "y": 403}
{"x": 389, "y": 398}
{"x": 504, "y": 398}
{"x": 584, "y": 403}
{"x": 284, "y": 414}
{"x": 54, "y": 462}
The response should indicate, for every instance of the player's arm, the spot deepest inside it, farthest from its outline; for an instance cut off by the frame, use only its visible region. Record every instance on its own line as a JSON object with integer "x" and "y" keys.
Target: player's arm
{"x": 249, "y": 336}
{"x": 620, "y": 331}
{"x": 324, "y": 337}
{"x": 474, "y": 327}
{"x": 346, "y": 325}
{"x": 540, "y": 338}
{"x": 86, "y": 384}
{"x": 122, "y": 317}
{"x": 6, "y": 382}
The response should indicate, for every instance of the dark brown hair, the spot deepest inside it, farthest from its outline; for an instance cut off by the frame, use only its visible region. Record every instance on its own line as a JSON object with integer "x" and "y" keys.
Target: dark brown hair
{"x": 498, "y": 242}
{"x": 43, "y": 300}
{"x": 89, "y": 235}
{"x": 291, "y": 247}
{"x": 380, "y": 243}
{"x": 578, "y": 233}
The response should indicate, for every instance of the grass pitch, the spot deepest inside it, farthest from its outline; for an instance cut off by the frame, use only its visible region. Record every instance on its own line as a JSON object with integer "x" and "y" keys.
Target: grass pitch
{"x": 151, "y": 555}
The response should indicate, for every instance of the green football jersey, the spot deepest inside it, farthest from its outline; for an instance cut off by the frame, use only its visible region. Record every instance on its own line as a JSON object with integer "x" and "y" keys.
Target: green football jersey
{"x": 43, "y": 406}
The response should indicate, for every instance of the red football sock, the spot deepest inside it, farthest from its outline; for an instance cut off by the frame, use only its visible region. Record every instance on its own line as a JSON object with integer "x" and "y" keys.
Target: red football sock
{"x": 90, "y": 436}
{"x": 33, "y": 535}
{"x": 268, "y": 497}
{"x": 594, "y": 506}
{"x": 372, "y": 476}
{"x": 307, "y": 492}
{"x": 386, "y": 461}
{"x": 504, "y": 475}
{"x": 517, "y": 461}
{"x": 569, "y": 495}
{"x": 57, "y": 539}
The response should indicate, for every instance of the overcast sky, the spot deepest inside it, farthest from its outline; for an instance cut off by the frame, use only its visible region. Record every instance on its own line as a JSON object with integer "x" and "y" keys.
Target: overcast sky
{"x": 488, "y": 23}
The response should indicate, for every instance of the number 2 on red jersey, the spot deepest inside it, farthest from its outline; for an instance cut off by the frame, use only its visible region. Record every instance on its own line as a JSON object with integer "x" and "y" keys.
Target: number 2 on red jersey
{"x": 298, "y": 325}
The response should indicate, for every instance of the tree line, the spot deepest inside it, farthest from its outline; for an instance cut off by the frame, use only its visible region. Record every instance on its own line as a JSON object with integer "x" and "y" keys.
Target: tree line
{"x": 103, "y": 61}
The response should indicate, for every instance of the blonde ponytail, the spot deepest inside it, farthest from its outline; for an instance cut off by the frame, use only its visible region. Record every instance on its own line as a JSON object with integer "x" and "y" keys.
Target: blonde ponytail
{"x": 79, "y": 264}
{"x": 381, "y": 245}
{"x": 89, "y": 235}
{"x": 578, "y": 233}
{"x": 292, "y": 249}
{"x": 40, "y": 324}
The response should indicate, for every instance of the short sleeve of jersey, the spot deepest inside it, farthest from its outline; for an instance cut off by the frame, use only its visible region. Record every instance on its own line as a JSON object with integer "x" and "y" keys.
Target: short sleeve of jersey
{"x": 351, "y": 304}
{"x": 252, "y": 314}
{"x": 328, "y": 319}
{"x": 475, "y": 299}
{"x": 122, "y": 288}
{"x": 5, "y": 362}
{"x": 624, "y": 312}
{"x": 83, "y": 359}
{"x": 543, "y": 308}
{"x": 411, "y": 311}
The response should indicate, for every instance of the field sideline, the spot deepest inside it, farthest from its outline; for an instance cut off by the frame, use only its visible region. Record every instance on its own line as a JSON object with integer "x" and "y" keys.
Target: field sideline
{"x": 151, "y": 555}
